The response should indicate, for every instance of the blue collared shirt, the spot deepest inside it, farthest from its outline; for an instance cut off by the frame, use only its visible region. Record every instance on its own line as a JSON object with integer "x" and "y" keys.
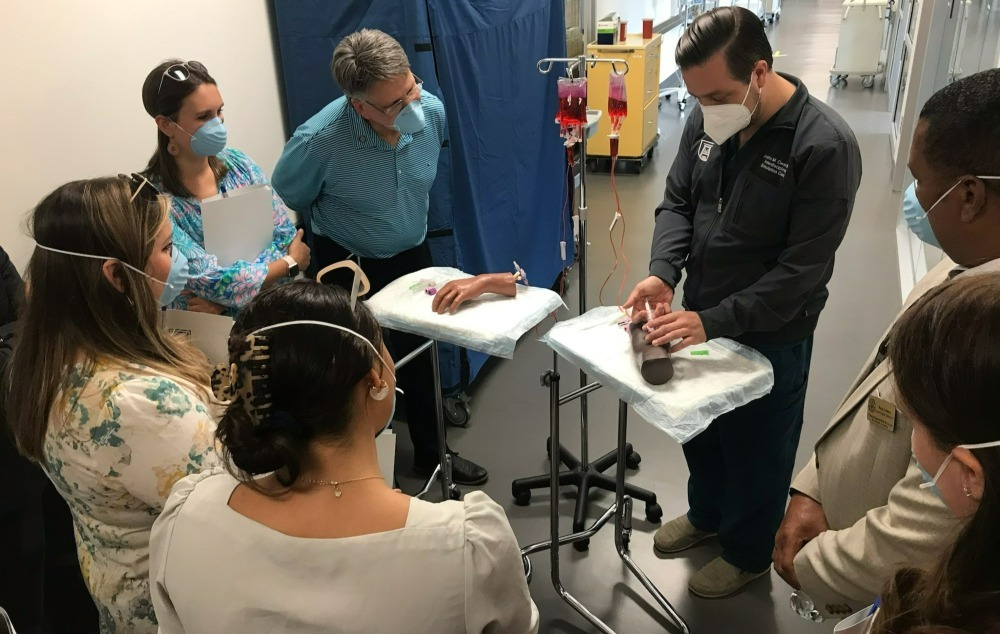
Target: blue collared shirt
{"x": 361, "y": 192}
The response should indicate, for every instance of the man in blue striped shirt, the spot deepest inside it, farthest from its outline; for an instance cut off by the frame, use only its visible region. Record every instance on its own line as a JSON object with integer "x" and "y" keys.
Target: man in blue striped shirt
{"x": 361, "y": 170}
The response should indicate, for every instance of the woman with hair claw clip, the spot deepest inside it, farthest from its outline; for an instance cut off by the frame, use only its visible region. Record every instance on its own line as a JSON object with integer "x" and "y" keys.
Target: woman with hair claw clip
{"x": 310, "y": 386}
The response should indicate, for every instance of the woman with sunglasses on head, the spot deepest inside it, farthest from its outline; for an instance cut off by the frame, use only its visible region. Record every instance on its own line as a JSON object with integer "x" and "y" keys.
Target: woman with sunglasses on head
{"x": 945, "y": 354}
{"x": 305, "y": 535}
{"x": 113, "y": 407}
{"x": 191, "y": 163}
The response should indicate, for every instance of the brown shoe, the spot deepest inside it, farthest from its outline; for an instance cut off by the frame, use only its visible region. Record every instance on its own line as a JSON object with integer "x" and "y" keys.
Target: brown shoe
{"x": 677, "y": 535}
{"x": 719, "y": 578}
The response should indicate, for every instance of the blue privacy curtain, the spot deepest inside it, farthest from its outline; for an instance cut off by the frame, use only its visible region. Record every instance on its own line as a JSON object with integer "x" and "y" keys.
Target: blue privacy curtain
{"x": 500, "y": 187}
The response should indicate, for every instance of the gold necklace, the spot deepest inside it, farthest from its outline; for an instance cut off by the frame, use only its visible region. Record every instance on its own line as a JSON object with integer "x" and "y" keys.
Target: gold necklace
{"x": 336, "y": 483}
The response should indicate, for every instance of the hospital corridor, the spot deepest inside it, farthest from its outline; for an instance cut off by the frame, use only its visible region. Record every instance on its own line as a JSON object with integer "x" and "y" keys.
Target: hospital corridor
{"x": 500, "y": 316}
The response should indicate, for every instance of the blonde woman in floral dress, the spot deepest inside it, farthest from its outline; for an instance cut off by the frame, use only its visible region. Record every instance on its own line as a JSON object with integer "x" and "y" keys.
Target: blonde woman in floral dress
{"x": 113, "y": 407}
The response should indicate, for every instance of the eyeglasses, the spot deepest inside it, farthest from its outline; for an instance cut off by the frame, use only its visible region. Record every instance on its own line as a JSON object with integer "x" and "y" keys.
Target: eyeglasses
{"x": 142, "y": 186}
{"x": 180, "y": 72}
{"x": 399, "y": 103}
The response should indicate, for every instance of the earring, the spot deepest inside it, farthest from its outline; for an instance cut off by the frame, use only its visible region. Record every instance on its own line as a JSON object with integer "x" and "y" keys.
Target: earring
{"x": 967, "y": 490}
{"x": 173, "y": 149}
{"x": 379, "y": 393}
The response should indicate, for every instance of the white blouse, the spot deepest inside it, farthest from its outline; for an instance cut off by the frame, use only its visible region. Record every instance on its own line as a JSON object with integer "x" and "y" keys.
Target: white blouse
{"x": 454, "y": 567}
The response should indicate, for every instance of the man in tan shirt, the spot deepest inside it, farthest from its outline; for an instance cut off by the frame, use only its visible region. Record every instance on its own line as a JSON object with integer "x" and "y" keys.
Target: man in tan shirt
{"x": 856, "y": 512}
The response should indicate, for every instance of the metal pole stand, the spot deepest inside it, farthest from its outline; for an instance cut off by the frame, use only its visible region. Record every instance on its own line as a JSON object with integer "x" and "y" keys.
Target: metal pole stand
{"x": 581, "y": 472}
{"x": 443, "y": 469}
{"x": 621, "y": 509}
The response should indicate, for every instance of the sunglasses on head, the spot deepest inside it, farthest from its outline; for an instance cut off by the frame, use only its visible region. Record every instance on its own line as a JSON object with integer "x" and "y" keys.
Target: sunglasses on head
{"x": 140, "y": 187}
{"x": 180, "y": 73}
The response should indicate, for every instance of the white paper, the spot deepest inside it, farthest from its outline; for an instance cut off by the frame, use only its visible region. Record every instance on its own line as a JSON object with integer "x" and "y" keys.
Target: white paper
{"x": 491, "y": 324}
{"x": 860, "y": 622}
{"x": 385, "y": 445}
{"x": 238, "y": 225}
{"x": 209, "y": 333}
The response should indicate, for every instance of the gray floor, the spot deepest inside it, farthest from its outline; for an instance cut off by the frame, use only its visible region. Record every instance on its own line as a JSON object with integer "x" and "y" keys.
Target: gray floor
{"x": 510, "y": 419}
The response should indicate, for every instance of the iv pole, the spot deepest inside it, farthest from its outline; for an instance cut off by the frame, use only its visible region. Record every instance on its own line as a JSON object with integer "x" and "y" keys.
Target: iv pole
{"x": 622, "y": 508}
{"x": 544, "y": 67}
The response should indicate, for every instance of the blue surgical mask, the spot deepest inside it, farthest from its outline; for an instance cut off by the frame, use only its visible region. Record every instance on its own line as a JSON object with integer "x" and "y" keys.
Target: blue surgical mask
{"x": 929, "y": 481}
{"x": 410, "y": 119}
{"x": 172, "y": 287}
{"x": 918, "y": 222}
{"x": 209, "y": 139}
{"x": 916, "y": 217}
{"x": 177, "y": 279}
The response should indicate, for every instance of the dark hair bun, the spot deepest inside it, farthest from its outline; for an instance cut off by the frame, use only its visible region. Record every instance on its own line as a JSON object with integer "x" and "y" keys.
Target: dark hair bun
{"x": 277, "y": 445}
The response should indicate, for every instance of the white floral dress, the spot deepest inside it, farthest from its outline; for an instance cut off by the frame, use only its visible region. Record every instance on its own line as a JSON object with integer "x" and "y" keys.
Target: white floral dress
{"x": 121, "y": 439}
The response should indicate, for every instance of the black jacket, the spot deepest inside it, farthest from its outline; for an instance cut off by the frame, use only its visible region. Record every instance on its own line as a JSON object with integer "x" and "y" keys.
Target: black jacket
{"x": 756, "y": 227}
{"x": 20, "y": 480}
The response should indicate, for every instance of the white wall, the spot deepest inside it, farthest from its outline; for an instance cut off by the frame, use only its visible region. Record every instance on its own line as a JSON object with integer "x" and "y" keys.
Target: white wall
{"x": 70, "y": 104}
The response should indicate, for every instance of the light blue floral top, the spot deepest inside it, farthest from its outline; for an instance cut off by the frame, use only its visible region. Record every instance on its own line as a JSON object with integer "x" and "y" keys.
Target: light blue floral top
{"x": 235, "y": 285}
{"x": 120, "y": 440}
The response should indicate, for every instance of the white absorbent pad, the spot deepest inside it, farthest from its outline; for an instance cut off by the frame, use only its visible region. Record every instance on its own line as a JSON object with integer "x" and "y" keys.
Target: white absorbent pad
{"x": 704, "y": 386}
{"x": 491, "y": 324}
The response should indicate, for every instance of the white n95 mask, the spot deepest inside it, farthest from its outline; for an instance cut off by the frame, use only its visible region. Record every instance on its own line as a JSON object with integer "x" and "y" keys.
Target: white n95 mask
{"x": 724, "y": 120}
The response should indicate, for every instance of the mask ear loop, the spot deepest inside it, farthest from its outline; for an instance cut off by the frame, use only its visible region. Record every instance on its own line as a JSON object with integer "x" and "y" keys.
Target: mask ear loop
{"x": 359, "y": 285}
{"x": 310, "y": 322}
{"x": 104, "y": 257}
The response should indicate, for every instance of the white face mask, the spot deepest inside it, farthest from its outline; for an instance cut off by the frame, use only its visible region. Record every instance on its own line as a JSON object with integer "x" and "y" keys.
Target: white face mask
{"x": 725, "y": 120}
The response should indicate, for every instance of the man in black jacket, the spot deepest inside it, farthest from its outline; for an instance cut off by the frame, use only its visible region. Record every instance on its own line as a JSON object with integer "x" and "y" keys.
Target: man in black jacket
{"x": 757, "y": 202}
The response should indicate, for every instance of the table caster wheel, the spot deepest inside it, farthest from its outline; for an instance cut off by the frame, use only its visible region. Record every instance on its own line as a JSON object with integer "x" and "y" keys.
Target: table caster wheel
{"x": 654, "y": 513}
{"x": 582, "y": 546}
{"x": 868, "y": 81}
{"x": 632, "y": 460}
{"x": 521, "y": 498}
{"x": 834, "y": 80}
{"x": 456, "y": 494}
{"x": 457, "y": 413}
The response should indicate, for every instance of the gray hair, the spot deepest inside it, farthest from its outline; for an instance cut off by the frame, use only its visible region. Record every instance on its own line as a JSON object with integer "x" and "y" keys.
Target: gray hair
{"x": 363, "y": 58}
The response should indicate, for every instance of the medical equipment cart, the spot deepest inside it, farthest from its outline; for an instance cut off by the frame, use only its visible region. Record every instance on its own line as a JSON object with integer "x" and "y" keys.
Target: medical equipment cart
{"x": 639, "y": 131}
{"x": 861, "y": 48}
{"x": 770, "y": 11}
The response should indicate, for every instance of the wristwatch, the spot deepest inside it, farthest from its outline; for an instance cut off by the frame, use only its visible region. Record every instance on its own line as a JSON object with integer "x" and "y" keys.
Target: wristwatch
{"x": 293, "y": 266}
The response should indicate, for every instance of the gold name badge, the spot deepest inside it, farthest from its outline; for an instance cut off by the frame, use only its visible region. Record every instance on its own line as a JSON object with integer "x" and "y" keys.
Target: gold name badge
{"x": 882, "y": 413}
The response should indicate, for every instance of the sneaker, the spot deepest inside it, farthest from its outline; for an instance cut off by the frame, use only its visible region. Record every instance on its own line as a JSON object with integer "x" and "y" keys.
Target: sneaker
{"x": 719, "y": 578}
{"x": 462, "y": 471}
{"x": 677, "y": 535}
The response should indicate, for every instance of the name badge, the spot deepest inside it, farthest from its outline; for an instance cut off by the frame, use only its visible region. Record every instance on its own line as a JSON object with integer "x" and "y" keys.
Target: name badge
{"x": 882, "y": 413}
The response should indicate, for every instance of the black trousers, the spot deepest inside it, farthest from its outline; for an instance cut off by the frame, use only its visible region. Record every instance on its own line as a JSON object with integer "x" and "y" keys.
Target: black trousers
{"x": 741, "y": 466}
{"x": 415, "y": 378}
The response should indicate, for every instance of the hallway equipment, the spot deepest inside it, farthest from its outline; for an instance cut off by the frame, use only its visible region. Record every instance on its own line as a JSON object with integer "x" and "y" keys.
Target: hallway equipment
{"x": 770, "y": 11}
{"x": 639, "y": 132}
{"x": 861, "y": 49}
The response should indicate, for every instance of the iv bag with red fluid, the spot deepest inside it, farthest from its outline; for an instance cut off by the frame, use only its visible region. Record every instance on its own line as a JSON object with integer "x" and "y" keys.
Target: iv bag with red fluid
{"x": 617, "y": 103}
{"x": 572, "y": 114}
